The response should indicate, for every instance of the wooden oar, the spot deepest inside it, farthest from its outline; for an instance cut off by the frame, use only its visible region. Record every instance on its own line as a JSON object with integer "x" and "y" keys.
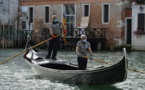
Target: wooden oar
{"x": 98, "y": 60}
{"x": 132, "y": 69}
{"x": 27, "y": 49}
{"x": 135, "y": 70}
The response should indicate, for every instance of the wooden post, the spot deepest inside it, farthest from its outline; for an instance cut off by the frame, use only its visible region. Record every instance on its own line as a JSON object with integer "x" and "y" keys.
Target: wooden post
{"x": 9, "y": 39}
{"x": 112, "y": 47}
{"x": 3, "y": 37}
{"x": 12, "y": 37}
{"x": 18, "y": 39}
{"x": 0, "y": 35}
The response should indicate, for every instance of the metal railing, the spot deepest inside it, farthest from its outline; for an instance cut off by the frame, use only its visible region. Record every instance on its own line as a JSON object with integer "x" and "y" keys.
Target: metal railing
{"x": 10, "y": 38}
{"x": 90, "y": 32}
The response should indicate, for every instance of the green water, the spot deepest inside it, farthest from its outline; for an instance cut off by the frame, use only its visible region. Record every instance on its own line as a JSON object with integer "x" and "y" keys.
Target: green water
{"x": 17, "y": 74}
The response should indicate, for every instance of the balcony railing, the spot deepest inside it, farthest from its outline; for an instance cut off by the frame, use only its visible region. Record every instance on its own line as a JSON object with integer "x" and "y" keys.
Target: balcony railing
{"x": 90, "y": 32}
{"x": 140, "y": 1}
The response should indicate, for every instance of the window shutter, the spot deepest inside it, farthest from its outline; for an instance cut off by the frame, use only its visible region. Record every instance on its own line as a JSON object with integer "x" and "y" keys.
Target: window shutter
{"x": 141, "y": 21}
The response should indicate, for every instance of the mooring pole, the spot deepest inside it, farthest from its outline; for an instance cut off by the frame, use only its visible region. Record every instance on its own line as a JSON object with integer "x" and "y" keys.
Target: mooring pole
{"x": 3, "y": 36}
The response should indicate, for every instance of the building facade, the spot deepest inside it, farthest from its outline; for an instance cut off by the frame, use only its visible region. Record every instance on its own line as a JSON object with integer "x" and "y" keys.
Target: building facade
{"x": 138, "y": 25}
{"x": 108, "y": 14}
{"x": 8, "y": 12}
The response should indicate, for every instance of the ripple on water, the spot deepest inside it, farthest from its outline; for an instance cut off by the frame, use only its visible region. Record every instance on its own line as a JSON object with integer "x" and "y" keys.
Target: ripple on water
{"x": 17, "y": 74}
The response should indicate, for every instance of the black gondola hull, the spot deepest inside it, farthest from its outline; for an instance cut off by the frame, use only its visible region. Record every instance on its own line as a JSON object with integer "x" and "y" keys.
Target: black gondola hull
{"x": 69, "y": 73}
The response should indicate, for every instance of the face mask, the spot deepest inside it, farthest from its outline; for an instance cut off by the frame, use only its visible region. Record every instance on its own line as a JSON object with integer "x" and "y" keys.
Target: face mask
{"x": 55, "y": 20}
{"x": 84, "y": 41}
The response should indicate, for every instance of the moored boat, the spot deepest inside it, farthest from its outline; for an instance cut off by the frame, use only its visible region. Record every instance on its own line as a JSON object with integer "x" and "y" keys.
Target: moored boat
{"x": 66, "y": 72}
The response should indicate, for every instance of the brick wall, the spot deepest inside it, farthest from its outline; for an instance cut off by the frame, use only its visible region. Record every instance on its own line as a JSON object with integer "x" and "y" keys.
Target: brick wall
{"x": 38, "y": 2}
{"x": 115, "y": 27}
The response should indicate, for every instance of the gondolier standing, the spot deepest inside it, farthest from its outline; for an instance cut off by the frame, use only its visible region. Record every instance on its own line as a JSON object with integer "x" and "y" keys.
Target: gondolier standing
{"x": 81, "y": 49}
{"x": 55, "y": 29}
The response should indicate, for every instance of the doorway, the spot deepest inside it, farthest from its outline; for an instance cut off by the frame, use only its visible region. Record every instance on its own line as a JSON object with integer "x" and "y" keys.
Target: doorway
{"x": 128, "y": 31}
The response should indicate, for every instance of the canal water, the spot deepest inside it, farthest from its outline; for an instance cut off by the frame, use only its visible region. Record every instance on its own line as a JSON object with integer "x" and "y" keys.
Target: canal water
{"x": 17, "y": 74}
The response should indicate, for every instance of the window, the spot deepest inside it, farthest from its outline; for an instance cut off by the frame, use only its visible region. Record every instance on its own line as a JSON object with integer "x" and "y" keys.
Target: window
{"x": 86, "y": 10}
{"x": 23, "y": 24}
{"x": 31, "y": 14}
{"x": 69, "y": 9}
{"x": 69, "y": 12}
{"x": 141, "y": 21}
{"x": 105, "y": 13}
{"x": 47, "y": 14}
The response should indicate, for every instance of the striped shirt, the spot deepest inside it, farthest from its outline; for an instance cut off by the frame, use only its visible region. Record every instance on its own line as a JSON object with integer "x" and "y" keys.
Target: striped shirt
{"x": 83, "y": 47}
{"x": 56, "y": 27}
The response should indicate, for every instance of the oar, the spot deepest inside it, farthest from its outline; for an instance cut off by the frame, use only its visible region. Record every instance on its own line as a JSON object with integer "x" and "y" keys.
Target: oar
{"x": 98, "y": 60}
{"x": 135, "y": 70}
{"x": 132, "y": 69}
{"x": 27, "y": 49}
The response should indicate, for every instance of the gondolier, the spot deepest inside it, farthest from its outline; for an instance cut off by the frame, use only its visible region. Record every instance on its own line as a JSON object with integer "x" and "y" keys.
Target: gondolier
{"x": 55, "y": 29}
{"x": 81, "y": 48}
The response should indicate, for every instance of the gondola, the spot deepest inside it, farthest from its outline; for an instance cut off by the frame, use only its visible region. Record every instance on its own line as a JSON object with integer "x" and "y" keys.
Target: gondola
{"x": 66, "y": 72}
